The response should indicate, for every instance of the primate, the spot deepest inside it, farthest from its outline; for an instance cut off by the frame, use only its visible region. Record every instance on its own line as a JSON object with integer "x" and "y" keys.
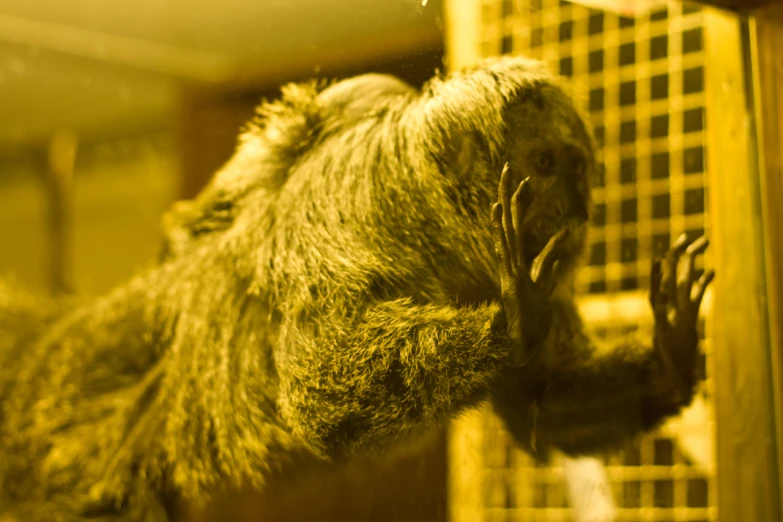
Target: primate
{"x": 370, "y": 263}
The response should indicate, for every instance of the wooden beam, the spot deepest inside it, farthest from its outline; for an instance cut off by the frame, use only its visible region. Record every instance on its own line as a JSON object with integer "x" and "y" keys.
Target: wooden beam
{"x": 59, "y": 190}
{"x": 335, "y": 61}
{"x": 766, "y": 40}
{"x": 746, "y": 439}
{"x": 462, "y": 32}
{"x": 466, "y": 471}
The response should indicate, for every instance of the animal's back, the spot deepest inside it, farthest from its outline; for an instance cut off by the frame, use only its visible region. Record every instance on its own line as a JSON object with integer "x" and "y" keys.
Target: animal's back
{"x": 23, "y": 319}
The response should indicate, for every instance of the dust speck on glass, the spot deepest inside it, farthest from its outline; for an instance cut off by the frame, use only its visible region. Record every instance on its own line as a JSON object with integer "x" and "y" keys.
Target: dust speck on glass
{"x": 642, "y": 81}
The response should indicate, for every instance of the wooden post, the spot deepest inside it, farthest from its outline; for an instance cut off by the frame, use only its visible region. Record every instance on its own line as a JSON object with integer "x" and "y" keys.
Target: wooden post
{"x": 766, "y": 50}
{"x": 463, "y": 33}
{"x": 744, "y": 402}
{"x": 59, "y": 185}
{"x": 466, "y": 467}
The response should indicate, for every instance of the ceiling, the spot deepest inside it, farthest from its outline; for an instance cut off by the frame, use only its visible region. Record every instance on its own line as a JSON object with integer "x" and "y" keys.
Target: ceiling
{"x": 93, "y": 65}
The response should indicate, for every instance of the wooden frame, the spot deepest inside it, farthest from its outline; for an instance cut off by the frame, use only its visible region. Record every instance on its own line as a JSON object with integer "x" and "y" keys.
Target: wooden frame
{"x": 743, "y": 74}
{"x": 766, "y": 44}
{"x": 744, "y": 402}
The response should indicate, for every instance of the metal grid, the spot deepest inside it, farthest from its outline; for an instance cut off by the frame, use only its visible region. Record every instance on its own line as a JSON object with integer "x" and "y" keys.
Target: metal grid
{"x": 643, "y": 83}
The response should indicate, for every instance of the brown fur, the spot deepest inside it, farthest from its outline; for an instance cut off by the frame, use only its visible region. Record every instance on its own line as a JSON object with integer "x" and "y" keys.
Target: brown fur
{"x": 332, "y": 292}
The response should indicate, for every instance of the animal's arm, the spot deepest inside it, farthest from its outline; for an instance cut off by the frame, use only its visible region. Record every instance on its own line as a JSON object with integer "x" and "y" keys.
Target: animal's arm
{"x": 584, "y": 399}
{"x": 581, "y": 399}
{"x": 400, "y": 368}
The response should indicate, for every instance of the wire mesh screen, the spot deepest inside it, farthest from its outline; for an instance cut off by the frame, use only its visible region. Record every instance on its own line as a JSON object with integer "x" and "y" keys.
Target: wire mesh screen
{"x": 643, "y": 83}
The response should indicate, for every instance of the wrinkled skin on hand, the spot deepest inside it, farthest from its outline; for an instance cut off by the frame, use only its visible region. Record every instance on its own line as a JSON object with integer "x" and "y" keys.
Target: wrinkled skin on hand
{"x": 675, "y": 296}
{"x": 525, "y": 291}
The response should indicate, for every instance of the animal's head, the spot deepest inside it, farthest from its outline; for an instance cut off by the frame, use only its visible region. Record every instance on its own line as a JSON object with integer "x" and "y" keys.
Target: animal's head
{"x": 512, "y": 110}
{"x": 468, "y": 124}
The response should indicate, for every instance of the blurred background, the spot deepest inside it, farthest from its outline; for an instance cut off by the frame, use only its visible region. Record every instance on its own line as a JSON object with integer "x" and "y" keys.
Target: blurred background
{"x": 685, "y": 103}
{"x": 111, "y": 111}
{"x": 153, "y": 94}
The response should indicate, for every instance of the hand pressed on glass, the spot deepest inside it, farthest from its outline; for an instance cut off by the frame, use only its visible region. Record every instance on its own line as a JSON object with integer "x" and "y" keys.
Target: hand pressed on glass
{"x": 525, "y": 291}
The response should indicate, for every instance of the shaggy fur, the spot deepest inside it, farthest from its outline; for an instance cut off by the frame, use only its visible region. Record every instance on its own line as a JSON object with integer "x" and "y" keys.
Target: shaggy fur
{"x": 332, "y": 291}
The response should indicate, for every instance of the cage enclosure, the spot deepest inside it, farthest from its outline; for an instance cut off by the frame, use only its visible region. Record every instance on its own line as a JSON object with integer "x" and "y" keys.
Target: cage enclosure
{"x": 672, "y": 115}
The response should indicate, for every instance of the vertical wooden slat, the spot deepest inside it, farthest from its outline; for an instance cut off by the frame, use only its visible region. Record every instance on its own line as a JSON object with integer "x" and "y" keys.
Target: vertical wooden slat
{"x": 766, "y": 39}
{"x": 746, "y": 452}
{"x": 463, "y": 32}
{"x": 59, "y": 189}
{"x": 466, "y": 468}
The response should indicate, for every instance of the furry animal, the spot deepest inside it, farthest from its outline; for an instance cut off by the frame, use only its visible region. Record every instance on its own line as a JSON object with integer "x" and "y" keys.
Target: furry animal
{"x": 335, "y": 290}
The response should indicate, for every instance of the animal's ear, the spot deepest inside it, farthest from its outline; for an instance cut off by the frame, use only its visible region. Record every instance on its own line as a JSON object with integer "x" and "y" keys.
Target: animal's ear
{"x": 188, "y": 221}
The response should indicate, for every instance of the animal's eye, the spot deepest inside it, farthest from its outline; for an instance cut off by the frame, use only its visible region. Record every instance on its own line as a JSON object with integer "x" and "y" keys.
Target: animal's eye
{"x": 545, "y": 162}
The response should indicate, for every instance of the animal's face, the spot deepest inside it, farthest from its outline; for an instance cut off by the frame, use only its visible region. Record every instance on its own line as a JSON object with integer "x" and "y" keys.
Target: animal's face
{"x": 550, "y": 146}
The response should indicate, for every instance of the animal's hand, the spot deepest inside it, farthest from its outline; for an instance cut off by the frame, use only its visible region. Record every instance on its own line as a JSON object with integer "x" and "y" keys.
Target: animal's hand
{"x": 525, "y": 292}
{"x": 675, "y": 299}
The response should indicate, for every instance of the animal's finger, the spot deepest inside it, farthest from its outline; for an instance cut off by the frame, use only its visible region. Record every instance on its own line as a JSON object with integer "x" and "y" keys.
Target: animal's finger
{"x": 694, "y": 249}
{"x": 655, "y": 281}
{"x": 684, "y": 282}
{"x": 519, "y": 201}
{"x": 669, "y": 285}
{"x": 686, "y": 278}
{"x": 501, "y": 247}
{"x": 504, "y": 196}
{"x": 701, "y": 288}
{"x": 550, "y": 282}
{"x": 545, "y": 261}
{"x": 658, "y": 297}
{"x": 698, "y": 246}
